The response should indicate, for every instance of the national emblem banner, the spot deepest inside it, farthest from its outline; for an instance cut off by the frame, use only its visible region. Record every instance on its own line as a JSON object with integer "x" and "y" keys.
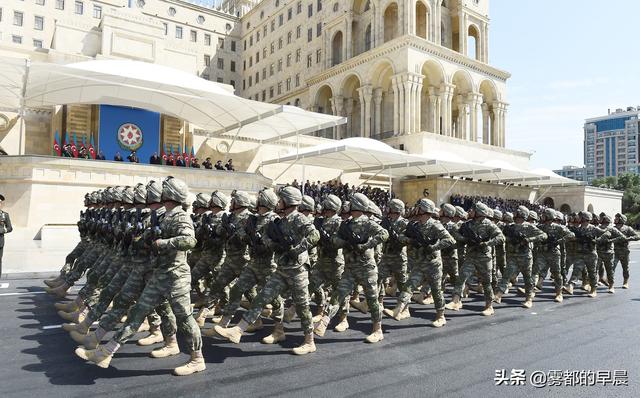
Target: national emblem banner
{"x": 125, "y": 130}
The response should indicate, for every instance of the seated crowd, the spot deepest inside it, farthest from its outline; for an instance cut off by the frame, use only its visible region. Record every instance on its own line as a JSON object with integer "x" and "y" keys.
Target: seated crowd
{"x": 504, "y": 205}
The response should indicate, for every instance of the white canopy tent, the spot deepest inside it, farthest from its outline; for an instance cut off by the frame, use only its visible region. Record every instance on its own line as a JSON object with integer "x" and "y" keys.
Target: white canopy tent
{"x": 365, "y": 155}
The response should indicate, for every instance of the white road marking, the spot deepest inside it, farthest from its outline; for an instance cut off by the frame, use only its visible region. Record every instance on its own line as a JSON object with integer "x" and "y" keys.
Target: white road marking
{"x": 52, "y": 327}
{"x": 20, "y": 293}
{"x": 534, "y": 313}
{"x": 4, "y": 285}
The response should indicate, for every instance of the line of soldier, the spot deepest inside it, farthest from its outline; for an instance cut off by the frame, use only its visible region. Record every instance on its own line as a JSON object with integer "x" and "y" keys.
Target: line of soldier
{"x": 146, "y": 260}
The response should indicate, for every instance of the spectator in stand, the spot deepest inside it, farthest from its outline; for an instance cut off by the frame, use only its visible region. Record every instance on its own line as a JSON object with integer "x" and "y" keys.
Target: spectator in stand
{"x": 155, "y": 159}
{"x": 118, "y": 157}
{"x": 66, "y": 151}
{"x": 207, "y": 164}
{"x": 171, "y": 161}
{"x": 229, "y": 165}
{"x": 195, "y": 164}
{"x": 133, "y": 157}
{"x": 510, "y": 205}
{"x": 219, "y": 165}
{"x": 100, "y": 156}
{"x": 83, "y": 154}
{"x": 180, "y": 161}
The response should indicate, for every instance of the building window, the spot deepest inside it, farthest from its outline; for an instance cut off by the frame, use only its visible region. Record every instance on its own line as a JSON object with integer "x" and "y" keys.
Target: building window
{"x": 221, "y": 63}
{"x": 279, "y": 88}
{"x": 318, "y": 29}
{"x": 233, "y": 66}
{"x": 250, "y": 62}
{"x": 288, "y": 84}
{"x": 40, "y": 2}
{"x": 264, "y": 73}
{"x": 309, "y": 61}
{"x": 264, "y": 95}
{"x": 309, "y": 35}
{"x": 270, "y": 92}
{"x": 194, "y": 36}
{"x": 318, "y": 56}
{"x": 219, "y": 80}
{"x": 79, "y": 7}
{"x": 244, "y": 65}
{"x": 245, "y": 45}
{"x": 298, "y": 54}
{"x": 298, "y": 32}
{"x": 250, "y": 81}
{"x": 319, "y": 5}
{"x": 233, "y": 46}
{"x": 178, "y": 32}
{"x": 335, "y": 7}
{"x": 250, "y": 41}
{"x": 200, "y": 19}
{"x": 273, "y": 48}
{"x": 273, "y": 25}
{"x": 289, "y": 37}
{"x": 171, "y": 11}
{"x": 310, "y": 10}
{"x": 257, "y": 77}
{"x": 264, "y": 31}
{"x": 207, "y": 60}
{"x": 280, "y": 65}
{"x": 207, "y": 39}
{"x": 97, "y": 12}
{"x": 59, "y": 4}
{"x": 16, "y": 39}
{"x": 289, "y": 14}
{"x": 280, "y": 19}
{"x": 257, "y": 57}
{"x": 257, "y": 37}
{"x": 264, "y": 52}
{"x": 233, "y": 83}
{"x": 166, "y": 28}
{"x": 38, "y": 23}
{"x": 288, "y": 60}
{"x": 37, "y": 43}
{"x": 271, "y": 70}
{"x": 17, "y": 18}
{"x": 244, "y": 84}
{"x": 299, "y": 7}
{"x": 205, "y": 76}
{"x": 297, "y": 80}
{"x": 141, "y": 3}
{"x": 280, "y": 43}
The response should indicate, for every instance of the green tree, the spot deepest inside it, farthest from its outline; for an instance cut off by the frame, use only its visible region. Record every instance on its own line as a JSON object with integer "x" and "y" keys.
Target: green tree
{"x": 629, "y": 183}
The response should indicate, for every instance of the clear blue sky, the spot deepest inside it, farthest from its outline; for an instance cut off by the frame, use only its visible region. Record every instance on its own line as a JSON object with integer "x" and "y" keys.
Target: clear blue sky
{"x": 570, "y": 60}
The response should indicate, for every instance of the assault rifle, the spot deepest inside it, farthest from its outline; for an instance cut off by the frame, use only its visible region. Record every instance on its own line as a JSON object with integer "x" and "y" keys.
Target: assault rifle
{"x": 283, "y": 241}
{"x": 154, "y": 232}
{"x": 388, "y": 225}
{"x": 227, "y": 223}
{"x": 470, "y": 235}
{"x": 585, "y": 239}
{"x": 413, "y": 232}
{"x": 345, "y": 232}
{"x": 318, "y": 222}
{"x": 251, "y": 229}
{"x": 515, "y": 236}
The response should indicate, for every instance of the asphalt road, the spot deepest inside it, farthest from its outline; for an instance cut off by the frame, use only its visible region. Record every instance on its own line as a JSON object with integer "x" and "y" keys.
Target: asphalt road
{"x": 414, "y": 359}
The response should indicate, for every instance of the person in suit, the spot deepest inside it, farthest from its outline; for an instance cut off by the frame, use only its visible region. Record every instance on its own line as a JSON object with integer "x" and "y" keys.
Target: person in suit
{"x": 180, "y": 161}
{"x": 207, "y": 164}
{"x": 229, "y": 165}
{"x": 118, "y": 157}
{"x": 133, "y": 157}
{"x": 155, "y": 159}
{"x": 195, "y": 164}
{"x": 219, "y": 165}
{"x": 101, "y": 156}
{"x": 5, "y": 228}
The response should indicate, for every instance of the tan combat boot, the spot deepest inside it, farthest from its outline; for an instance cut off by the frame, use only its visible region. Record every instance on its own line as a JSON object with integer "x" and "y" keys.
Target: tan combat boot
{"x": 155, "y": 336}
{"x": 342, "y": 325}
{"x": 195, "y": 364}
{"x": 81, "y": 328}
{"x": 586, "y": 287}
{"x": 558, "y": 298}
{"x": 321, "y": 327}
{"x": 289, "y": 314}
{"x": 497, "y": 296}
{"x": 59, "y": 291}
{"x": 66, "y": 307}
{"x": 233, "y": 334}
{"x": 569, "y": 288}
{"x": 254, "y": 327}
{"x": 201, "y": 317}
{"x": 528, "y": 303}
{"x": 101, "y": 356}
{"x": 361, "y": 306}
{"x": 144, "y": 326}
{"x": 539, "y": 284}
{"x": 89, "y": 341}
{"x": 593, "y": 293}
{"x": 611, "y": 289}
{"x": 455, "y": 304}
{"x": 318, "y": 315}
{"x": 170, "y": 348}
{"x": 625, "y": 284}
{"x": 376, "y": 335}
{"x": 223, "y": 322}
{"x": 267, "y": 311}
{"x": 307, "y": 347}
{"x": 55, "y": 282}
{"x": 277, "y": 335}
{"x": 440, "y": 320}
{"x": 488, "y": 309}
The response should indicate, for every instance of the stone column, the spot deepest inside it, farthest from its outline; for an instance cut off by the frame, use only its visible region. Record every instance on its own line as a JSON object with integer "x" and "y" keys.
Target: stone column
{"x": 462, "y": 33}
{"x": 462, "y": 131}
{"x": 496, "y": 128}
{"x": 337, "y": 103}
{"x": 486, "y": 118}
{"x": 366, "y": 94}
{"x": 446, "y": 96}
{"x": 437, "y": 23}
{"x": 398, "y": 102}
{"x": 485, "y": 40}
{"x": 417, "y": 96}
{"x": 502, "y": 134}
{"x": 474, "y": 105}
{"x": 377, "y": 105}
{"x": 348, "y": 106}
{"x": 347, "y": 50}
{"x": 434, "y": 120}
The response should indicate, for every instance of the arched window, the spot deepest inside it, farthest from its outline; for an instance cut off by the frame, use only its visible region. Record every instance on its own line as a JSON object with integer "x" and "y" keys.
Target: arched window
{"x": 367, "y": 38}
{"x": 336, "y": 49}
{"x": 391, "y": 22}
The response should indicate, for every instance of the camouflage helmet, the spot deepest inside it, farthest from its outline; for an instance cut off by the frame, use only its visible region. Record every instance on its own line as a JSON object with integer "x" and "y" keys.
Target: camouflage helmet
{"x": 346, "y": 207}
{"x": 307, "y": 204}
{"x": 140, "y": 194}
{"x": 332, "y": 202}
{"x": 219, "y": 199}
{"x": 490, "y": 212}
{"x": 374, "y": 209}
{"x": 623, "y": 218}
{"x": 497, "y": 214}
{"x": 241, "y": 199}
{"x": 559, "y": 216}
{"x": 128, "y": 195}
{"x": 521, "y": 212}
{"x": 175, "y": 189}
{"x": 482, "y": 210}
{"x": 507, "y": 217}
{"x": 87, "y": 198}
{"x": 448, "y": 210}
{"x": 253, "y": 206}
{"x": 267, "y": 198}
{"x": 290, "y": 195}
{"x": 533, "y": 215}
{"x": 396, "y": 206}
{"x": 359, "y": 202}
{"x": 116, "y": 194}
{"x": 202, "y": 201}
{"x": 585, "y": 215}
{"x": 460, "y": 212}
{"x": 549, "y": 214}
{"x": 154, "y": 192}
{"x": 605, "y": 219}
{"x": 426, "y": 206}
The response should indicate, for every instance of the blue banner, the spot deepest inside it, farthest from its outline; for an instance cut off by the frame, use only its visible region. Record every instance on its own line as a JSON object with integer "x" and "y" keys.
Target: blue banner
{"x": 125, "y": 129}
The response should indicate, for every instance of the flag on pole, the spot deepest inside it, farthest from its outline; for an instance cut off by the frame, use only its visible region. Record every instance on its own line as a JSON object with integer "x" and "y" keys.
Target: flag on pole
{"x": 163, "y": 153}
{"x": 56, "y": 144}
{"x": 74, "y": 148}
{"x": 172, "y": 158}
{"x": 185, "y": 155}
{"x": 92, "y": 150}
{"x": 66, "y": 139}
{"x": 193, "y": 155}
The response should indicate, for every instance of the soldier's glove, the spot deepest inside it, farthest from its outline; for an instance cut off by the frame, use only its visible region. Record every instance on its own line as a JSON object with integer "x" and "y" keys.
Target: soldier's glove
{"x": 160, "y": 244}
{"x": 361, "y": 248}
{"x": 430, "y": 248}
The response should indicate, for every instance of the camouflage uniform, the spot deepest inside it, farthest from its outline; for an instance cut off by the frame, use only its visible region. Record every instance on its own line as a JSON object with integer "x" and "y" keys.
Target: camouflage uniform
{"x": 550, "y": 255}
{"x": 330, "y": 265}
{"x": 586, "y": 257}
{"x": 605, "y": 250}
{"x": 621, "y": 248}
{"x": 212, "y": 255}
{"x": 394, "y": 258}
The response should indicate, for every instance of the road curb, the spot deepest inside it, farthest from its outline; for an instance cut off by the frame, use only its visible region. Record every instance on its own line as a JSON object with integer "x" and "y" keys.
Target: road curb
{"x": 29, "y": 275}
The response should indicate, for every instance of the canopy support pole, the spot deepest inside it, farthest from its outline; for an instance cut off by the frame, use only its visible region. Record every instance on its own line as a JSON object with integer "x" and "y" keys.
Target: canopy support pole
{"x": 541, "y": 196}
{"x": 285, "y": 170}
{"x": 22, "y": 112}
{"x": 451, "y": 188}
{"x": 370, "y": 178}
